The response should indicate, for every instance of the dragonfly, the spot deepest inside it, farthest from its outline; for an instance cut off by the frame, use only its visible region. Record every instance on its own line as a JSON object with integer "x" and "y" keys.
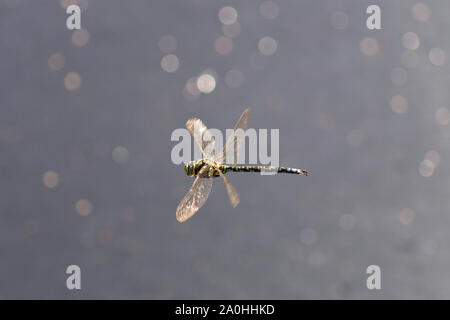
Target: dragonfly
{"x": 213, "y": 166}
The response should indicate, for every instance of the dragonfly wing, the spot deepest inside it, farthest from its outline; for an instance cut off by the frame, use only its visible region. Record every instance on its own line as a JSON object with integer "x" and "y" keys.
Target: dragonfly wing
{"x": 235, "y": 141}
{"x": 194, "y": 199}
{"x": 232, "y": 193}
{"x": 202, "y": 136}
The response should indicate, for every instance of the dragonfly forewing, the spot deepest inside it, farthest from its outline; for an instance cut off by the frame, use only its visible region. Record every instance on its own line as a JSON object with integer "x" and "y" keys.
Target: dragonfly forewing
{"x": 235, "y": 142}
{"x": 202, "y": 136}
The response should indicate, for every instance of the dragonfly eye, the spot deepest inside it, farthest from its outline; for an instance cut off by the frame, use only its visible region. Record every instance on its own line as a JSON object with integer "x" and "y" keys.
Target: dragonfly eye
{"x": 189, "y": 169}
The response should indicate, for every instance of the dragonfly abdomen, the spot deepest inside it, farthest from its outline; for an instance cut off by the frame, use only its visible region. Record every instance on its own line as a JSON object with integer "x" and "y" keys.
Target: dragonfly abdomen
{"x": 243, "y": 168}
{"x": 292, "y": 170}
{"x": 259, "y": 168}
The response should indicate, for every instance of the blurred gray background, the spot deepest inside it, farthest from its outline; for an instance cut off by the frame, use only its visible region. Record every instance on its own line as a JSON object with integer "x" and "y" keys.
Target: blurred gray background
{"x": 86, "y": 176}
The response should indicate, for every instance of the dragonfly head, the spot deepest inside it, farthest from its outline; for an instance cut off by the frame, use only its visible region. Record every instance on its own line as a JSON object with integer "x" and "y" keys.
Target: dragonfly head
{"x": 189, "y": 168}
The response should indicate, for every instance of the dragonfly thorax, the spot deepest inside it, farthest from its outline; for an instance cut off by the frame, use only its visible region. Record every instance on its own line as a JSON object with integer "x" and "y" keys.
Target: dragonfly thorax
{"x": 192, "y": 168}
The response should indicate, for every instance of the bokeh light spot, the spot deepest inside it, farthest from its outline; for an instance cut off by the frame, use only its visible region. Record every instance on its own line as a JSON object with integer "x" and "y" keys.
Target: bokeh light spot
{"x": 206, "y": 83}
{"x": 268, "y": 10}
{"x": 426, "y": 168}
{"x": 50, "y": 179}
{"x": 421, "y": 12}
{"x": 228, "y": 15}
{"x": 223, "y": 45}
{"x": 369, "y": 46}
{"x": 56, "y": 61}
{"x": 399, "y": 104}
{"x": 442, "y": 116}
{"x": 267, "y": 46}
{"x": 167, "y": 44}
{"x": 72, "y": 81}
{"x": 191, "y": 91}
{"x": 433, "y": 156}
{"x": 80, "y": 38}
{"x": 120, "y": 154}
{"x": 406, "y": 216}
{"x": 411, "y": 41}
{"x": 437, "y": 56}
{"x": 170, "y": 63}
{"x": 339, "y": 20}
{"x": 83, "y": 207}
{"x": 10, "y": 133}
{"x": 83, "y": 4}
